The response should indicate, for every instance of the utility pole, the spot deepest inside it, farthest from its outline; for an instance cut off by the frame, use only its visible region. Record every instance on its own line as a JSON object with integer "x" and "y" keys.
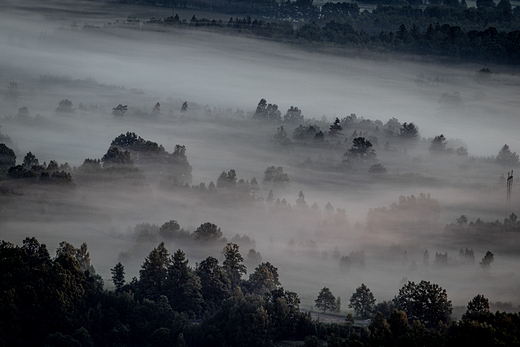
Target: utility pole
{"x": 509, "y": 187}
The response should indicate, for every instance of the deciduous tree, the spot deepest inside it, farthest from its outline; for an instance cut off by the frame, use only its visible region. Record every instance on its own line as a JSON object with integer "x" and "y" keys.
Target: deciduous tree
{"x": 7, "y": 159}
{"x": 424, "y": 301}
{"x": 326, "y": 300}
{"x": 362, "y": 301}
{"x": 478, "y": 305}
{"x": 208, "y": 232}
{"x": 264, "y": 279}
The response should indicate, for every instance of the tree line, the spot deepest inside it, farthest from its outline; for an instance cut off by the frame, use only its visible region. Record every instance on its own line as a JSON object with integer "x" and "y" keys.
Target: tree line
{"x": 60, "y": 301}
{"x": 446, "y": 29}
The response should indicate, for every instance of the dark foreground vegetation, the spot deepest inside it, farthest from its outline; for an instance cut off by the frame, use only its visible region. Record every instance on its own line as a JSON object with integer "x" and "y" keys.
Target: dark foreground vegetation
{"x": 60, "y": 301}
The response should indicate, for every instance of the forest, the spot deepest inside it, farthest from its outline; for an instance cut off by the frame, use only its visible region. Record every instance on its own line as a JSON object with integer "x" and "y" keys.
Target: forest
{"x": 173, "y": 304}
{"x": 441, "y": 31}
{"x": 203, "y": 183}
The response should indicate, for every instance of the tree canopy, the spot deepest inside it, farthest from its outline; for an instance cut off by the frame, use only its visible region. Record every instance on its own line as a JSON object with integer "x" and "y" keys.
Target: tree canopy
{"x": 424, "y": 301}
{"x": 326, "y": 301}
{"x": 363, "y": 301}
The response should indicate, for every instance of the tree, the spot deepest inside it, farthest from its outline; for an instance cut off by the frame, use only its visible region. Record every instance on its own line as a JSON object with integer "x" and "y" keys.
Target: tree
{"x": 260, "y": 109}
{"x": 180, "y": 167}
{"x": 227, "y": 180}
{"x": 362, "y": 301}
{"x": 424, "y": 301}
{"x": 208, "y": 232}
{"x": 65, "y": 106}
{"x": 153, "y": 273}
{"x": 264, "y": 279}
{"x": 156, "y": 111}
{"x": 119, "y": 110}
{"x": 29, "y": 161}
{"x": 485, "y": 4}
{"x": 438, "y": 144}
{"x": 319, "y": 137}
{"x": 273, "y": 114}
{"x": 281, "y": 137}
{"x": 233, "y": 264}
{"x": 118, "y": 276}
{"x": 335, "y": 128}
{"x": 183, "y": 286}
{"x": 377, "y": 169}
{"x": 115, "y": 157}
{"x": 7, "y": 159}
{"x": 172, "y": 230}
{"x": 216, "y": 285}
{"x": 300, "y": 202}
{"x": 487, "y": 260}
{"x": 265, "y": 111}
{"x": 361, "y": 150}
{"x": 478, "y": 305}
{"x": 293, "y": 115}
{"x": 398, "y": 323}
{"x": 326, "y": 300}
{"x": 184, "y": 107}
{"x": 83, "y": 258}
{"x": 504, "y": 6}
{"x": 275, "y": 175}
{"x": 409, "y": 131}
{"x": 12, "y": 91}
{"x": 65, "y": 248}
{"x": 506, "y": 157}
{"x": 462, "y": 220}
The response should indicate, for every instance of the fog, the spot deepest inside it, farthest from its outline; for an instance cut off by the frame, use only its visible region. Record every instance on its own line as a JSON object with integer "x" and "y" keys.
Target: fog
{"x": 223, "y": 77}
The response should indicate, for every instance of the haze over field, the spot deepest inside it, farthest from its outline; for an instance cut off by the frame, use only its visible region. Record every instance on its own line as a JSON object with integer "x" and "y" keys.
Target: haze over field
{"x": 103, "y": 68}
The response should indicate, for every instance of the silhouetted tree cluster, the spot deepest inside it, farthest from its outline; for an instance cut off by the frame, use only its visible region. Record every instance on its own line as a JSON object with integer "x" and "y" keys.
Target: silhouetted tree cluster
{"x": 406, "y": 214}
{"x": 51, "y": 301}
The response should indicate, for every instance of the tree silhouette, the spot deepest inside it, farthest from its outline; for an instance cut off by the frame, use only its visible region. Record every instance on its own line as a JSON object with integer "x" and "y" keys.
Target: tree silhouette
{"x": 208, "y": 232}
{"x": 233, "y": 263}
{"x": 184, "y": 107}
{"x": 335, "y": 128}
{"x": 183, "y": 285}
{"x": 506, "y": 157}
{"x": 478, "y": 305}
{"x": 362, "y": 301}
{"x": 293, "y": 115}
{"x": 119, "y": 110}
{"x": 118, "y": 276}
{"x": 29, "y": 161}
{"x": 409, "y": 131}
{"x": 438, "y": 144}
{"x": 7, "y": 159}
{"x": 487, "y": 260}
{"x": 264, "y": 279}
{"x": 326, "y": 300}
{"x": 424, "y": 301}
{"x": 152, "y": 276}
{"x": 361, "y": 150}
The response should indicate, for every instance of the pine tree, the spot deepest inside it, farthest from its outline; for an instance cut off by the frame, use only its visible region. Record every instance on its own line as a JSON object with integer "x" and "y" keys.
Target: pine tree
{"x": 118, "y": 276}
{"x": 233, "y": 264}
{"x": 506, "y": 157}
